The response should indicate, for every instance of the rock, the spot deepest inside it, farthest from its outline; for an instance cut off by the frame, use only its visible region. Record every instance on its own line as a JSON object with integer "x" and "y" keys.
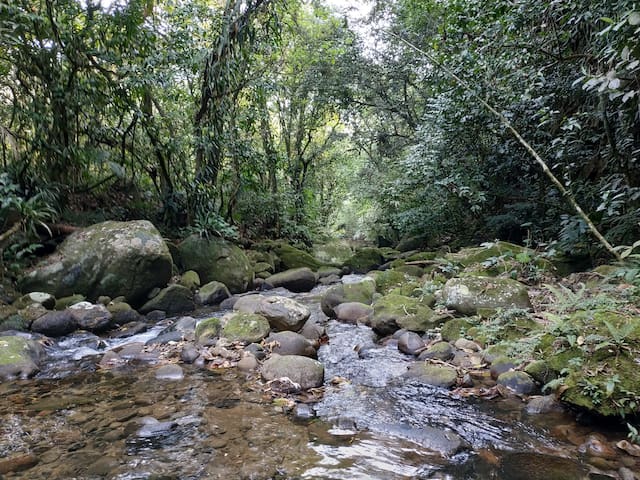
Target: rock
{"x": 361, "y": 292}
{"x": 445, "y": 442}
{"x": 208, "y": 330}
{"x": 55, "y": 324}
{"x": 393, "y": 312}
{"x": 129, "y": 329}
{"x": 172, "y": 299}
{"x": 467, "y": 294}
{"x": 335, "y": 253}
{"x": 518, "y": 382}
{"x": 291, "y": 257}
{"x": 352, "y": 312}
{"x": 500, "y": 365}
{"x": 465, "y": 344}
{"x": 244, "y": 327}
{"x": 263, "y": 267}
{"x": 65, "y": 302}
{"x": 32, "y": 312}
{"x": 93, "y": 318}
{"x": 545, "y": 404}
{"x": 18, "y": 463}
{"x": 212, "y": 293}
{"x": 189, "y": 353}
{"x": 281, "y": 312}
{"x": 19, "y": 357}
{"x": 110, "y": 258}
{"x": 540, "y": 371}
{"x": 14, "y": 321}
{"x": 247, "y": 363}
{"x": 324, "y": 272}
{"x": 256, "y": 350}
{"x": 306, "y": 372}
{"x": 190, "y": 279}
{"x": 296, "y": 280}
{"x": 438, "y": 351}
{"x": 436, "y": 375}
{"x": 410, "y": 343}
{"x": 47, "y": 300}
{"x": 291, "y": 343}
{"x": 329, "y": 280}
{"x": 364, "y": 260}
{"x": 411, "y": 270}
{"x": 156, "y": 316}
{"x": 455, "y": 329}
{"x": 535, "y": 466}
{"x": 170, "y": 372}
{"x": 216, "y": 259}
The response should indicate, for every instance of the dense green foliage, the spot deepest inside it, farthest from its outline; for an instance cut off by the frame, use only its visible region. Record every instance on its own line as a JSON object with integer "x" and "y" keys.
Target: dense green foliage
{"x": 266, "y": 118}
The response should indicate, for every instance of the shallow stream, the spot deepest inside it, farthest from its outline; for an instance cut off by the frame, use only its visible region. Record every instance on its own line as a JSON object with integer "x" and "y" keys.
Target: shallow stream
{"x": 77, "y": 420}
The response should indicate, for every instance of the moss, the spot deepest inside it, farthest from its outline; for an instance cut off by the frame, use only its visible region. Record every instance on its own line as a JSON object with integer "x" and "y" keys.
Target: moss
{"x": 410, "y": 289}
{"x": 412, "y": 270}
{"x": 208, "y": 329}
{"x": 387, "y": 280}
{"x": 422, "y": 256}
{"x": 246, "y": 327}
{"x": 540, "y": 371}
{"x": 393, "y": 312}
{"x": 455, "y": 329}
{"x": 292, "y": 257}
{"x": 364, "y": 260}
{"x": 64, "y": 302}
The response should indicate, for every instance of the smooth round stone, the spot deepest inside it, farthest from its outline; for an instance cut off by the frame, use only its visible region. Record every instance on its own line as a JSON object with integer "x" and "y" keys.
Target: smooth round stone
{"x": 519, "y": 382}
{"x": 501, "y": 365}
{"x": 545, "y": 404}
{"x": 189, "y": 354}
{"x": 170, "y": 372}
{"x": 464, "y": 344}
{"x": 410, "y": 343}
{"x": 438, "y": 351}
{"x": 247, "y": 363}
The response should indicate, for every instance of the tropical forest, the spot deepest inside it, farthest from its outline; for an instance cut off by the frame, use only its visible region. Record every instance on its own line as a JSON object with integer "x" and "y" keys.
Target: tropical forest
{"x": 320, "y": 239}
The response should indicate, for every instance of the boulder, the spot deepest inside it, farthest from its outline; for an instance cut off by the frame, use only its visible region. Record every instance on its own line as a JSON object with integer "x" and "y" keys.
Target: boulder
{"x": 291, "y": 343}
{"x": 393, "y": 312}
{"x": 19, "y": 357}
{"x": 438, "y": 351}
{"x": 190, "y": 279}
{"x": 296, "y": 280}
{"x": 352, "y": 312}
{"x": 172, "y": 299}
{"x": 110, "y": 258}
{"x": 518, "y": 382}
{"x": 454, "y": 329}
{"x": 361, "y": 292}
{"x": 244, "y": 327}
{"x": 335, "y": 253}
{"x": 93, "y": 318}
{"x": 66, "y": 302}
{"x": 212, "y": 293}
{"x": 436, "y": 375}
{"x": 410, "y": 343}
{"x": 47, "y": 300}
{"x": 468, "y": 294}
{"x": 281, "y": 312}
{"x": 364, "y": 260}
{"x": 304, "y": 371}
{"x": 292, "y": 257}
{"x": 208, "y": 330}
{"x": 216, "y": 259}
{"x": 55, "y": 324}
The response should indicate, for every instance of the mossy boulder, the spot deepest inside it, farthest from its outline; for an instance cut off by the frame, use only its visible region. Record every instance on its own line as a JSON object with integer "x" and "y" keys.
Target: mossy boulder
{"x": 387, "y": 280}
{"x": 393, "y": 312}
{"x": 365, "y": 260}
{"x": 436, "y": 375}
{"x": 333, "y": 253}
{"x": 19, "y": 357}
{"x": 540, "y": 371}
{"x": 518, "y": 382}
{"x": 110, "y": 258}
{"x": 173, "y": 299}
{"x": 190, "y": 279}
{"x": 467, "y": 294}
{"x": 305, "y": 371}
{"x": 292, "y": 257}
{"x": 455, "y": 329}
{"x": 282, "y": 313}
{"x": 245, "y": 327}
{"x": 66, "y": 302}
{"x": 216, "y": 259}
{"x": 208, "y": 330}
{"x": 212, "y": 293}
{"x": 438, "y": 351}
{"x": 291, "y": 343}
{"x": 361, "y": 292}
{"x": 411, "y": 270}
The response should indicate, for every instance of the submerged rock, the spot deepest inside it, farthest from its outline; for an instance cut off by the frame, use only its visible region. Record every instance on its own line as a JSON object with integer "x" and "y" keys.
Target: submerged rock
{"x": 535, "y": 466}
{"x": 110, "y": 258}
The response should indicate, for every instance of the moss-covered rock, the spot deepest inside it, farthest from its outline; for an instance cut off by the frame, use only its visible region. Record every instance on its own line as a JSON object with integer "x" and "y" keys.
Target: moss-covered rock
{"x": 18, "y": 357}
{"x": 216, "y": 259}
{"x": 393, "y": 312}
{"x": 208, "y": 330}
{"x": 411, "y": 270}
{"x": 437, "y": 375}
{"x": 365, "y": 260}
{"x": 304, "y": 371}
{"x": 296, "y": 279}
{"x": 387, "y": 280}
{"x": 292, "y": 257}
{"x": 212, "y": 293}
{"x": 468, "y": 294}
{"x": 361, "y": 292}
{"x": 66, "y": 302}
{"x": 438, "y": 351}
{"x": 455, "y": 329}
{"x": 173, "y": 299}
{"x": 190, "y": 279}
{"x": 282, "y": 313}
{"x": 110, "y": 258}
{"x": 540, "y": 371}
{"x": 333, "y": 253}
{"x": 518, "y": 382}
{"x": 245, "y": 327}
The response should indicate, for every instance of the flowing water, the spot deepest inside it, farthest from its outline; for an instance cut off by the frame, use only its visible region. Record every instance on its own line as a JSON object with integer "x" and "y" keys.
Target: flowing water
{"x": 77, "y": 420}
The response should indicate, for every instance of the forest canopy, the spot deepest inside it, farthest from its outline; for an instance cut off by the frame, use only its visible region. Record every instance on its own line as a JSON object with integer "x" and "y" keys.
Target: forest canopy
{"x": 272, "y": 119}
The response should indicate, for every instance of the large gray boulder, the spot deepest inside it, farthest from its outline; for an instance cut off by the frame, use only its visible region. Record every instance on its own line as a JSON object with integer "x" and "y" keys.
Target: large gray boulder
{"x": 112, "y": 258}
{"x": 304, "y": 371}
{"x": 19, "y": 357}
{"x": 361, "y": 292}
{"x": 296, "y": 280}
{"x": 212, "y": 293}
{"x": 291, "y": 343}
{"x": 281, "y": 312}
{"x": 468, "y": 294}
{"x": 215, "y": 259}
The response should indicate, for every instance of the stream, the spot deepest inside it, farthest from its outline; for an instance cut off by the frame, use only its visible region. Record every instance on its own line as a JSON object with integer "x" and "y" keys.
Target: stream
{"x": 77, "y": 420}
